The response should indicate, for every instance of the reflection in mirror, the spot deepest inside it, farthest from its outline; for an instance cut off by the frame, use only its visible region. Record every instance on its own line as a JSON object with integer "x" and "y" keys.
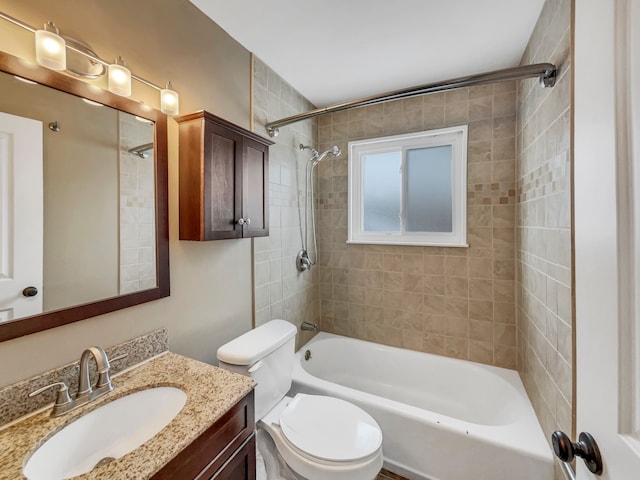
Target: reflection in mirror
{"x": 99, "y": 200}
{"x": 83, "y": 216}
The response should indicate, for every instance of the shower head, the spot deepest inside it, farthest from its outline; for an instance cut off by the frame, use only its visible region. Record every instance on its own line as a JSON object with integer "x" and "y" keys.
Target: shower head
{"x": 335, "y": 151}
{"x": 142, "y": 150}
{"x": 317, "y": 157}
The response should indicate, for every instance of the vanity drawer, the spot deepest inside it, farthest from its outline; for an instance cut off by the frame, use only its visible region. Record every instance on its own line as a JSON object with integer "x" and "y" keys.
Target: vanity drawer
{"x": 214, "y": 448}
{"x": 242, "y": 466}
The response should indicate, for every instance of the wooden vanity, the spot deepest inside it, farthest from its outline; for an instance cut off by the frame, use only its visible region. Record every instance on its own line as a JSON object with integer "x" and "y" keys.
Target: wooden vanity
{"x": 226, "y": 450}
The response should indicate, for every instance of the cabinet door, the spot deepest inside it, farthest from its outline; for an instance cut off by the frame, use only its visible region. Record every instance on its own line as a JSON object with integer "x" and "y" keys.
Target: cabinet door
{"x": 222, "y": 182}
{"x": 242, "y": 466}
{"x": 212, "y": 450}
{"x": 255, "y": 198}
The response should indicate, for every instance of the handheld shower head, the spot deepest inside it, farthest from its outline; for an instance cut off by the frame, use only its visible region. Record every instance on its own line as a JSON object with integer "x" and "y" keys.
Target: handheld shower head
{"x": 335, "y": 151}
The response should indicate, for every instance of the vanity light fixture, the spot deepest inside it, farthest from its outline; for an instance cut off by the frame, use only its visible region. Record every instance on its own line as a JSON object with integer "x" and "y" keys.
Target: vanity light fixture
{"x": 51, "y": 50}
{"x": 169, "y": 100}
{"x": 119, "y": 78}
{"x": 24, "y": 80}
{"x": 91, "y": 102}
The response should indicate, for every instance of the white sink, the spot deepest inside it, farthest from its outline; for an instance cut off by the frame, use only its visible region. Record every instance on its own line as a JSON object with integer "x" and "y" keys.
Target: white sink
{"x": 107, "y": 433}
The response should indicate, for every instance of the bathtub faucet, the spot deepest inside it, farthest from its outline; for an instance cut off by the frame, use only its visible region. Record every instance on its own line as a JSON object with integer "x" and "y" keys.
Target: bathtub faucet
{"x": 308, "y": 326}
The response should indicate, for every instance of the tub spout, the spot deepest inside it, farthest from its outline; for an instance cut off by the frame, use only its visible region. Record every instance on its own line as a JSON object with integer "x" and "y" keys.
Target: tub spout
{"x": 308, "y": 326}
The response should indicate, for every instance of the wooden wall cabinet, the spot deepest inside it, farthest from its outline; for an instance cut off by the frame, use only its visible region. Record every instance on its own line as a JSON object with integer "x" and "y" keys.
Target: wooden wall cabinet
{"x": 224, "y": 179}
{"x": 225, "y": 451}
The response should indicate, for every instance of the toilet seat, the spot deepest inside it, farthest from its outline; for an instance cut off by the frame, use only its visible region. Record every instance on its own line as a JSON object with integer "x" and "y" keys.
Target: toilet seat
{"x": 330, "y": 429}
{"x": 319, "y": 456}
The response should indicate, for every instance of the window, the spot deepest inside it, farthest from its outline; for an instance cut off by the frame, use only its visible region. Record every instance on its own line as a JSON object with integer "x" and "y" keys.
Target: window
{"x": 409, "y": 189}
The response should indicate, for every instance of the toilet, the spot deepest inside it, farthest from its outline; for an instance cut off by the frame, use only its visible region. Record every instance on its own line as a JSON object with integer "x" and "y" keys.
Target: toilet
{"x": 319, "y": 437}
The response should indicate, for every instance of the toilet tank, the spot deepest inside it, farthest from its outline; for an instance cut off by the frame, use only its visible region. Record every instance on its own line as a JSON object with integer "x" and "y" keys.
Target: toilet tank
{"x": 265, "y": 354}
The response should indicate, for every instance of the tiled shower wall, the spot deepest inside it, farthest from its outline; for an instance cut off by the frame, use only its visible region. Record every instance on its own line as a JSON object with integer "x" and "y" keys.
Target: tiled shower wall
{"x": 280, "y": 290}
{"x": 544, "y": 224}
{"x": 458, "y": 302}
{"x": 137, "y": 207}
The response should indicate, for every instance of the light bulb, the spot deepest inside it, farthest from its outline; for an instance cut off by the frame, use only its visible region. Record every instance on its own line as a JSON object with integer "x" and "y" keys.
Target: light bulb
{"x": 51, "y": 50}
{"x": 119, "y": 78}
{"x": 169, "y": 100}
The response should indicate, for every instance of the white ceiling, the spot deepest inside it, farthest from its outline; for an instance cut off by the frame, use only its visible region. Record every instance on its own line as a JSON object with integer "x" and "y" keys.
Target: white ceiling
{"x": 338, "y": 50}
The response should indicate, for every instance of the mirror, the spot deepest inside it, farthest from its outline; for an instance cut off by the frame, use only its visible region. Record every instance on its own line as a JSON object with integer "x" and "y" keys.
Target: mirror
{"x": 83, "y": 200}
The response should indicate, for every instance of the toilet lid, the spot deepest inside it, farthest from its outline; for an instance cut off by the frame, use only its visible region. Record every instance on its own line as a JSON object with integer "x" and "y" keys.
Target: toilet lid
{"x": 329, "y": 428}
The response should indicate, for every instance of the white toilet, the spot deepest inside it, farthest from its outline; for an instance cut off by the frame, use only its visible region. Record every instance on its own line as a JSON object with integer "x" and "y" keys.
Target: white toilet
{"x": 319, "y": 437}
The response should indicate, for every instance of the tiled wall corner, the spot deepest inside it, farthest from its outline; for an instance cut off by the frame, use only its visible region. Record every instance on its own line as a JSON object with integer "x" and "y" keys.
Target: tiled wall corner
{"x": 280, "y": 290}
{"x": 458, "y": 302}
{"x": 543, "y": 225}
{"x": 15, "y": 401}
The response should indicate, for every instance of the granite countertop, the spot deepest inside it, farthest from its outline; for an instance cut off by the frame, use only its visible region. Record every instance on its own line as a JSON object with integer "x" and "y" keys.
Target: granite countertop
{"x": 211, "y": 392}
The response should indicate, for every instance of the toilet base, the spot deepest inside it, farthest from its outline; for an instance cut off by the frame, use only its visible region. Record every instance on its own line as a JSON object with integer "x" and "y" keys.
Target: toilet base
{"x": 269, "y": 463}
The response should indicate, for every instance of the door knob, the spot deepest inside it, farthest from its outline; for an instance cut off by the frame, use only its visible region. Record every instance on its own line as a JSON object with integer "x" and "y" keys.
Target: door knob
{"x": 30, "y": 292}
{"x": 586, "y": 448}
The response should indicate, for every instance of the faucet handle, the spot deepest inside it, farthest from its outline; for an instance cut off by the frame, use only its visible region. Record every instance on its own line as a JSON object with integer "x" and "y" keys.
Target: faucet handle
{"x": 63, "y": 400}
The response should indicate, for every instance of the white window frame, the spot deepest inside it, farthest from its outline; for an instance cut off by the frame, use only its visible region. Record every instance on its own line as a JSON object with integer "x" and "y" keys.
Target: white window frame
{"x": 454, "y": 136}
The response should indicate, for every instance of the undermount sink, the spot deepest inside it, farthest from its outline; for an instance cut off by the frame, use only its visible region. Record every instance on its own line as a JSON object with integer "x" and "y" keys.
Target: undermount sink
{"x": 104, "y": 434}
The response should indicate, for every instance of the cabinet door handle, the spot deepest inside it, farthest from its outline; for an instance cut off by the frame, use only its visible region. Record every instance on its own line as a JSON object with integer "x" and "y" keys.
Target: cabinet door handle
{"x": 247, "y": 221}
{"x": 240, "y": 221}
{"x": 244, "y": 221}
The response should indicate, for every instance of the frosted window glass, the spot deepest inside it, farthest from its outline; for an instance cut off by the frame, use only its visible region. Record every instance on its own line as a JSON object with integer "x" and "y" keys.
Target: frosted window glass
{"x": 382, "y": 185}
{"x": 430, "y": 189}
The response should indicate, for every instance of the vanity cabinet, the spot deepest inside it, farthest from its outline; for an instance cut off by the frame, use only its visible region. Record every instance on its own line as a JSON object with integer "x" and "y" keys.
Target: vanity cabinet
{"x": 225, "y": 451}
{"x": 224, "y": 179}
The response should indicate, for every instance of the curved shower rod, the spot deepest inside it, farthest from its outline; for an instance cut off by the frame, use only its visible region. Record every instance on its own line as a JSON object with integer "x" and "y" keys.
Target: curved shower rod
{"x": 546, "y": 72}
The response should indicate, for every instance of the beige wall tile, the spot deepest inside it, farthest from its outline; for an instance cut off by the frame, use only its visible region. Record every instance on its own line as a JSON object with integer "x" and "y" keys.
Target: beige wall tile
{"x": 426, "y": 298}
{"x": 481, "y": 352}
{"x": 434, "y": 265}
{"x": 544, "y": 218}
{"x": 434, "y": 284}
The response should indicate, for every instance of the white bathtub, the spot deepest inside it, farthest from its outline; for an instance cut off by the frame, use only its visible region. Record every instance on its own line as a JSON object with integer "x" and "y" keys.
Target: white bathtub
{"x": 441, "y": 418}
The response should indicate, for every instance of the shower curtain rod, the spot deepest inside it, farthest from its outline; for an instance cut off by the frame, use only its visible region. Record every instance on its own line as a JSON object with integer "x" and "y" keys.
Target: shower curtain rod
{"x": 546, "y": 72}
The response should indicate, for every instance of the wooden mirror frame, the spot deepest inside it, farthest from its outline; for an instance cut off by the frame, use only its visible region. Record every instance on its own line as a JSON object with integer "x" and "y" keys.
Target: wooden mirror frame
{"x": 37, "y": 323}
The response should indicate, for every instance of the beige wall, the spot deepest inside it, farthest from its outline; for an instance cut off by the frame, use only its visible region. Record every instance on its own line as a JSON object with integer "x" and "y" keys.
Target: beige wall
{"x": 457, "y": 302}
{"x": 282, "y": 291}
{"x": 160, "y": 40}
{"x": 80, "y": 168}
{"x": 544, "y": 262}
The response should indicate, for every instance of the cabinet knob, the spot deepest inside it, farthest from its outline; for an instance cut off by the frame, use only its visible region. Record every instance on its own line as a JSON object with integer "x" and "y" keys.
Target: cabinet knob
{"x": 244, "y": 221}
{"x": 247, "y": 221}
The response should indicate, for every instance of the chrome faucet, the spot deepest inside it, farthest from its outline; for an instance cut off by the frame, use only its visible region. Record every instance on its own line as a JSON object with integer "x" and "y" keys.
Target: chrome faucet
{"x": 311, "y": 327}
{"x": 86, "y": 392}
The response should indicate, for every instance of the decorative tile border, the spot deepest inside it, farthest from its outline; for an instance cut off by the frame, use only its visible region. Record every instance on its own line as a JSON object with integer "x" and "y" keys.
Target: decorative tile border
{"x": 15, "y": 401}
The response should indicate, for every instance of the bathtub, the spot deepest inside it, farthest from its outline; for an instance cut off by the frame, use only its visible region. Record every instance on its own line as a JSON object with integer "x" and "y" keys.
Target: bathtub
{"x": 441, "y": 418}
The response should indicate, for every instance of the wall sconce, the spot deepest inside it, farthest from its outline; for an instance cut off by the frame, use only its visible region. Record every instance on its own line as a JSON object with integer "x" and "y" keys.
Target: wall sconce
{"x": 51, "y": 51}
{"x": 119, "y": 78}
{"x": 169, "y": 100}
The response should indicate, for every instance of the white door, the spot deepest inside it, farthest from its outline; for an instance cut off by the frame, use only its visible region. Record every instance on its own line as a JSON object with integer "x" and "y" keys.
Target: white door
{"x": 607, "y": 226}
{"x": 21, "y": 225}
